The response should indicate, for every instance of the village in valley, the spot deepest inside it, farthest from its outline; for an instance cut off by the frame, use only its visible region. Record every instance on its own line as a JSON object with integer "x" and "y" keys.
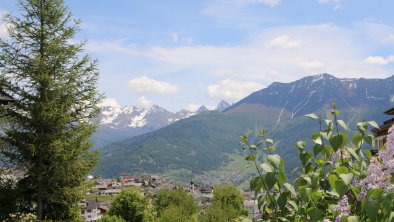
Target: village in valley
{"x": 102, "y": 191}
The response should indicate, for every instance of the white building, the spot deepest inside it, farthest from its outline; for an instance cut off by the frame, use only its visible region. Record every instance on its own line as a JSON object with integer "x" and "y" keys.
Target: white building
{"x": 90, "y": 210}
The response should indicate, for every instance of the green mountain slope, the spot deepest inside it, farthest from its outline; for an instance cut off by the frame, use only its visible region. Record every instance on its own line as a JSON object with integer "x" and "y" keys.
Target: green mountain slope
{"x": 199, "y": 143}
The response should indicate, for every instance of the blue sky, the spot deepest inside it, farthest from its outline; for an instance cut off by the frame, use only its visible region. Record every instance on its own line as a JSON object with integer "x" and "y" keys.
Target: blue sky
{"x": 182, "y": 54}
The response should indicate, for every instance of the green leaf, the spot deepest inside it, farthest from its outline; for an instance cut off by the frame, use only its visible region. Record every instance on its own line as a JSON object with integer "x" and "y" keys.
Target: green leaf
{"x": 351, "y": 218}
{"x": 274, "y": 160}
{"x": 370, "y": 139}
{"x": 375, "y": 193}
{"x": 250, "y": 157}
{"x": 320, "y": 163}
{"x": 316, "y": 195}
{"x": 307, "y": 178}
{"x": 305, "y": 193}
{"x": 325, "y": 135}
{"x": 267, "y": 167}
{"x": 317, "y": 148}
{"x": 290, "y": 188}
{"x": 391, "y": 217}
{"x": 256, "y": 184}
{"x": 338, "y": 141}
{"x": 342, "y": 170}
{"x": 272, "y": 148}
{"x": 341, "y": 187}
{"x": 369, "y": 154}
{"x": 362, "y": 127}
{"x": 301, "y": 145}
{"x": 332, "y": 178}
{"x": 281, "y": 178}
{"x": 282, "y": 165}
{"x": 305, "y": 157}
{"x": 282, "y": 200}
{"x": 353, "y": 153}
{"x": 312, "y": 116}
{"x": 373, "y": 124}
{"x": 253, "y": 147}
{"x": 316, "y": 137}
{"x": 270, "y": 180}
{"x": 371, "y": 208}
{"x": 294, "y": 205}
{"x": 269, "y": 141}
{"x": 357, "y": 140}
{"x": 315, "y": 214}
{"x": 343, "y": 125}
{"x": 347, "y": 178}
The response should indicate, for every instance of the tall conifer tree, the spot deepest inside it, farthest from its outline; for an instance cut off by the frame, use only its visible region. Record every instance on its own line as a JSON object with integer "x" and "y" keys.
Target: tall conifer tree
{"x": 54, "y": 87}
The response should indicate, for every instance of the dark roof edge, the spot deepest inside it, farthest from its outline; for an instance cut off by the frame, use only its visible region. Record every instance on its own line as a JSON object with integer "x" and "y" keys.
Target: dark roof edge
{"x": 390, "y": 111}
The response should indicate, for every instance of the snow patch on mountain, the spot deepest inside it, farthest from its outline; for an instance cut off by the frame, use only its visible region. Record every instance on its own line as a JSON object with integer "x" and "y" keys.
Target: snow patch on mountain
{"x": 140, "y": 120}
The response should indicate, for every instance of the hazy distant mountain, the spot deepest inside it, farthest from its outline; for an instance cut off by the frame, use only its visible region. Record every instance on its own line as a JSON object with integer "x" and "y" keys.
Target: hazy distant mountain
{"x": 201, "y": 143}
{"x": 202, "y": 109}
{"x": 222, "y": 106}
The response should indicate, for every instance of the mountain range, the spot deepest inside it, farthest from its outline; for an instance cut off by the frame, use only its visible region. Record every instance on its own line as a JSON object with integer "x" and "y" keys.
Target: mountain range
{"x": 117, "y": 123}
{"x": 208, "y": 141}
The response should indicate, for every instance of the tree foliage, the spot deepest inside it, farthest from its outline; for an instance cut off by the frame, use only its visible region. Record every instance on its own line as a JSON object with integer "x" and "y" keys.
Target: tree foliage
{"x": 179, "y": 198}
{"x": 227, "y": 205}
{"x": 54, "y": 87}
{"x": 175, "y": 213}
{"x": 130, "y": 205}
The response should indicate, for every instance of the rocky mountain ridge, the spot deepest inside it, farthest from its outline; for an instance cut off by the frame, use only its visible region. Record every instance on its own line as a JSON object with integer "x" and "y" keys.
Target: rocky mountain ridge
{"x": 117, "y": 123}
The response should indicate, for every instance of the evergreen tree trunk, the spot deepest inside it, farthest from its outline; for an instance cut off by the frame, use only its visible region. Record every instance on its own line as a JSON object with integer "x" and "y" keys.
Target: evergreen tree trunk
{"x": 54, "y": 88}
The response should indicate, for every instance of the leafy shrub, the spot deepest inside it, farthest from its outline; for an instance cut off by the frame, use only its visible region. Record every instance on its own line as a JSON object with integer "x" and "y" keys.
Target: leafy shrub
{"x": 338, "y": 179}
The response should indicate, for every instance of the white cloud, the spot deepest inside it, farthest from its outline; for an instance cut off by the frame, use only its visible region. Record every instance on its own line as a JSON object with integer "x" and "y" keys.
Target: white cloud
{"x": 284, "y": 42}
{"x": 390, "y": 58}
{"x": 311, "y": 64}
{"x": 376, "y": 60}
{"x": 266, "y": 2}
{"x": 145, "y": 84}
{"x": 112, "y": 102}
{"x": 144, "y": 102}
{"x": 231, "y": 90}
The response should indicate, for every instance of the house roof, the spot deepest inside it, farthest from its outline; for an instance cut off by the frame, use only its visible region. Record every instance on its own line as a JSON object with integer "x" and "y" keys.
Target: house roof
{"x": 93, "y": 204}
{"x": 390, "y": 111}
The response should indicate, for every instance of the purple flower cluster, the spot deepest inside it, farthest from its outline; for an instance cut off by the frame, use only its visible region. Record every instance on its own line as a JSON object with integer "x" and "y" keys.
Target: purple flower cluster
{"x": 387, "y": 153}
{"x": 380, "y": 170}
{"x": 342, "y": 208}
{"x": 341, "y": 154}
